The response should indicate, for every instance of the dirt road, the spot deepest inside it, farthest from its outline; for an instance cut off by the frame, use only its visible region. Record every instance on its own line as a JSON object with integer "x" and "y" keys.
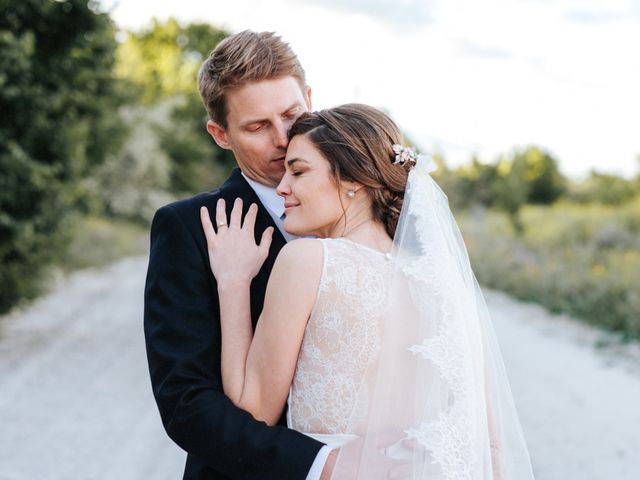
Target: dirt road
{"x": 76, "y": 403}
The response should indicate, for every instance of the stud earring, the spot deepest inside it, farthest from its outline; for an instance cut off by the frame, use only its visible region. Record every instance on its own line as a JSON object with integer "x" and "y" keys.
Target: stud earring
{"x": 351, "y": 193}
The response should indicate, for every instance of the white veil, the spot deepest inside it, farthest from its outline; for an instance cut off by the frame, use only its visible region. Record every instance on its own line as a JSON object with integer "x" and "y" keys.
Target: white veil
{"x": 438, "y": 401}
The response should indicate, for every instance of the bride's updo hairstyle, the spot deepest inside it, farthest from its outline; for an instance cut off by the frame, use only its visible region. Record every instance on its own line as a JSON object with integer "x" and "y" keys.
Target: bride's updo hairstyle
{"x": 356, "y": 140}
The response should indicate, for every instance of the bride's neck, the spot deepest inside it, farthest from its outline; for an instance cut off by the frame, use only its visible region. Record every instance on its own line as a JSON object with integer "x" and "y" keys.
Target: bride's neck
{"x": 360, "y": 227}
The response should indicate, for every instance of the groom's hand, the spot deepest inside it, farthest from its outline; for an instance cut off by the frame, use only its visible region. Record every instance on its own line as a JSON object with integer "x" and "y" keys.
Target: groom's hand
{"x": 377, "y": 466}
{"x": 328, "y": 466}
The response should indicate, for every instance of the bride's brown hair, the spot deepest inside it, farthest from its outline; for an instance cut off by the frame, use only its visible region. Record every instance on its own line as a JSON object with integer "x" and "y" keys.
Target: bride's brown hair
{"x": 356, "y": 140}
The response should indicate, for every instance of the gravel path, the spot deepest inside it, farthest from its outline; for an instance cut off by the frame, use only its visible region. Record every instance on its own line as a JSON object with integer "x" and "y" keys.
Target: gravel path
{"x": 75, "y": 396}
{"x": 577, "y": 392}
{"x": 76, "y": 403}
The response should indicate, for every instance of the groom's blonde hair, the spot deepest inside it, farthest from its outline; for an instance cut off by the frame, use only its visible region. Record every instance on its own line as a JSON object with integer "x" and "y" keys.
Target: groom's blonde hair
{"x": 241, "y": 59}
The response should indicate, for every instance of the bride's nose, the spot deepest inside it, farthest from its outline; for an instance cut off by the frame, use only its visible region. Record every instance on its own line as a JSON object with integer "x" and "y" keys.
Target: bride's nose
{"x": 283, "y": 187}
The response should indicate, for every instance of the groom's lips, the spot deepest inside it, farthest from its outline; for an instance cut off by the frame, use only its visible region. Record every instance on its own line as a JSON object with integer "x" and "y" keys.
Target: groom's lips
{"x": 279, "y": 161}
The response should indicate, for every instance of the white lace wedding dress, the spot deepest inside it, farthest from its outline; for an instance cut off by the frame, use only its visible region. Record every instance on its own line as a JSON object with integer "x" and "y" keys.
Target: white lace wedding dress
{"x": 341, "y": 341}
{"x": 402, "y": 344}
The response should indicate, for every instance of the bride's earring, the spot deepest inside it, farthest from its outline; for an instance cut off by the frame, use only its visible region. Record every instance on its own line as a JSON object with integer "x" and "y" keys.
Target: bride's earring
{"x": 351, "y": 193}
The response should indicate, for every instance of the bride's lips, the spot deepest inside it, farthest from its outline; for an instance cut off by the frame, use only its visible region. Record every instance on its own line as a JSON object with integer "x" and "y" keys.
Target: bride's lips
{"x": 289, "y": 206}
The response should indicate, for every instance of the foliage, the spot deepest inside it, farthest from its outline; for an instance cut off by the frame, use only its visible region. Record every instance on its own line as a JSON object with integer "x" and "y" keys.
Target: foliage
{"x": 97, "y": 241}
{"x": 163, "y": 62}
{"x": 540, "y": 174}
{"x": 135, "y": 181}
{"x": 605, "y": 189}
{"x": 197, "y": 163}
{"x": 530, "y": 175}
{"x": 58, "y": 97}
{"x": 583, "y": 260}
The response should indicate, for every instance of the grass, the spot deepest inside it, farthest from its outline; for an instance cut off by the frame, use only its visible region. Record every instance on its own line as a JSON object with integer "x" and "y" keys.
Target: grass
{"x": 99, "y": 241}
{"x": 583, "y": 260}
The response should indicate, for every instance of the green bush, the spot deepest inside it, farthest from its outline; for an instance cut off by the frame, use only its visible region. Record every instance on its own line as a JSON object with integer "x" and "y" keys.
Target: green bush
{"x": 57, "y": 97}
{"x": 135, "y": 181}
{"x": 528, "y": 175}
{"x": 162, "y": 61}
{"x": 583, "y": 260}
{"x": 604, "y": 188}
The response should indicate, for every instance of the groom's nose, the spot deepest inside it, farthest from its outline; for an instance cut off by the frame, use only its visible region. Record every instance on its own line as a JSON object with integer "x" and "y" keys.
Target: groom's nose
{"x": 281, "y": 135}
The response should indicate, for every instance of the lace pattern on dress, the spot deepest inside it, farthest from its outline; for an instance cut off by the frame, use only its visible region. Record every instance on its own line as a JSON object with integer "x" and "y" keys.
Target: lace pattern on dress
{"x": 341, "y": 339}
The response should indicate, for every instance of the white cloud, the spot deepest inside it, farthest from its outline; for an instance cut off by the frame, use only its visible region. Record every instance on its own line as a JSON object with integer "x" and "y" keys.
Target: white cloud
{"x": 401, "y": 14}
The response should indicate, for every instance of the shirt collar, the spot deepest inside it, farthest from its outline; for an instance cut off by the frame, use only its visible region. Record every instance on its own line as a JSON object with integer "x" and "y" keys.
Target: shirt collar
{"x": 268, "y": 196}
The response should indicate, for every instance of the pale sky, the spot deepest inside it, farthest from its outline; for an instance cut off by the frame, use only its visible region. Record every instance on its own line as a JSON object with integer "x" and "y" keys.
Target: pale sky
{"x": 461, "y": 77}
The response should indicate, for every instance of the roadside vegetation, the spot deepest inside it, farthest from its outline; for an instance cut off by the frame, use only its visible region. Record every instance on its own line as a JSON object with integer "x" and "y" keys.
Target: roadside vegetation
{"x": 100, "y": 127}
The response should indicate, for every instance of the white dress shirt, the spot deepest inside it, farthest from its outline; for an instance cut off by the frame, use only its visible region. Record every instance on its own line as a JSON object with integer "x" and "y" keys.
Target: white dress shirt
{"x": 274, "y": 204}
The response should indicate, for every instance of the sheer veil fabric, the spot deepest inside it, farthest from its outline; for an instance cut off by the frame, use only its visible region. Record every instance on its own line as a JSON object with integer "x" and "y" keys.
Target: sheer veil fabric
{"x": 437, "y": 398}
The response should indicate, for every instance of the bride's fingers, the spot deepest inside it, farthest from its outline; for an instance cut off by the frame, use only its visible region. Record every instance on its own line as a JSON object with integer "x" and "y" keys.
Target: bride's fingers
{"x": 236, "y": 214}
{"x": 249, "y": 221}
{"x": 221, "y": 215}
{"x": 207, "y": 226}
{"x": 265, "y": 242}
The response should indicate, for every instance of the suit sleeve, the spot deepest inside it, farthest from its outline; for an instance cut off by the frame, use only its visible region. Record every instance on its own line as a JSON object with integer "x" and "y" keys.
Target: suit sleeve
{"x": 182, "y": 332}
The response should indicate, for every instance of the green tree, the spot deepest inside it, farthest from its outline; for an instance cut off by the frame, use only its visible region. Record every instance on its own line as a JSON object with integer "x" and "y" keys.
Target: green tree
{"x": 510, "y": 190}
{"x": 540, "y": 175}
{"x": 58, "y": 97}
{"x": 467, "y": 185}
{"x": 163, "y": 61}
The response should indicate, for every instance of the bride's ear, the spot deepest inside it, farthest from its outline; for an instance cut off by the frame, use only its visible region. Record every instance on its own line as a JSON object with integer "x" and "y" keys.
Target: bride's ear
{"x": 219, "y": 134}
{"x": 354, "y": 187}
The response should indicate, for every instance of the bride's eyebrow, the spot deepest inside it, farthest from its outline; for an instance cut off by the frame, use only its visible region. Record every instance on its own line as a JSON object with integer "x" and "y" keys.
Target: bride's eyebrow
{"x": 297, "y": 159}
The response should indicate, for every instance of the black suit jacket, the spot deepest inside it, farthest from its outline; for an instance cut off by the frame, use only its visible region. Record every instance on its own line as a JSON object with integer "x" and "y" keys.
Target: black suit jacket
{"x": 182, "y": 332}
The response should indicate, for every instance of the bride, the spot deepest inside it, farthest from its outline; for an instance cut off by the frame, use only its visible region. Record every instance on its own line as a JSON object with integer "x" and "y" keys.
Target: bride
{"x": 374, "y": 331}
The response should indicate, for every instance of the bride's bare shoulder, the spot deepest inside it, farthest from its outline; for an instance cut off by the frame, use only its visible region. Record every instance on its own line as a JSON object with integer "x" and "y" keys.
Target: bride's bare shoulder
{"x": 299, "y": 263}
{"x": 301, "y": 252}
{"x": 295, "y": 277}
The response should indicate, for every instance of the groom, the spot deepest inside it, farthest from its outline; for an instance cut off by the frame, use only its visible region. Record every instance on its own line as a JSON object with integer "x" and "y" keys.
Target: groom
{"x": 253, "y": 88}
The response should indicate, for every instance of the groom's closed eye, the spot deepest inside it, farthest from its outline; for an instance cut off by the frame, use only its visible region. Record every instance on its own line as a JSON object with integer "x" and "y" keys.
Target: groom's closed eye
{"x": 292, "y": 112}
{"x": 254, "y": 127}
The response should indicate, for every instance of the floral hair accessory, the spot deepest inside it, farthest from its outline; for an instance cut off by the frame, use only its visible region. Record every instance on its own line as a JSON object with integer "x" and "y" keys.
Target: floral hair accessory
{"x": 404, "y": 154}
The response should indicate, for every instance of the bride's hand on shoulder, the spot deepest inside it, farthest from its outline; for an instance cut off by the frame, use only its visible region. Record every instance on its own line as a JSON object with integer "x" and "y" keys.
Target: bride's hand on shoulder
{"x": 234, "y": 256}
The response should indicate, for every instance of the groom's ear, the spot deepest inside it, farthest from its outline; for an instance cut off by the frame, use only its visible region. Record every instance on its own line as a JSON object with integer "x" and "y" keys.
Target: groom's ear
{"x": 307, "y": 97}
{"x": 219, "y": 134}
